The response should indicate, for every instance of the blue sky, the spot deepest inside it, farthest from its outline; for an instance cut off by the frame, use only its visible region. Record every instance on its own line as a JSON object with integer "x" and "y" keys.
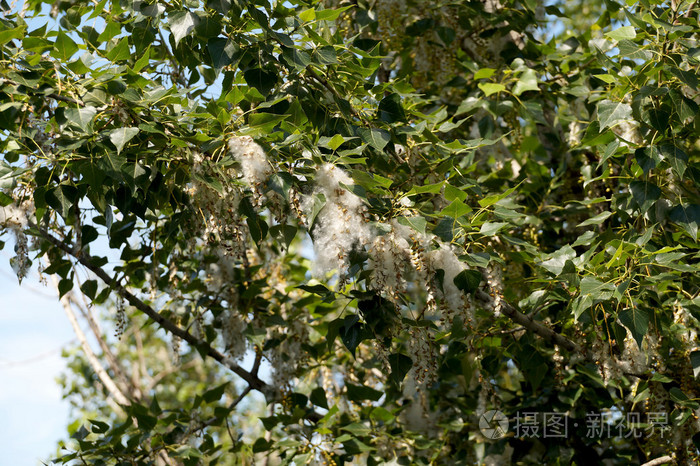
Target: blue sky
{"x": 33, "y": 329}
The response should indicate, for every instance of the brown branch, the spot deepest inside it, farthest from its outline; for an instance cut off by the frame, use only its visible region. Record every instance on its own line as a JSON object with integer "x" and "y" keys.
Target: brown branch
{"x": 690, "y": 10}
{"x": 529, "y": 323}
{"x": 53, "y": 95}
{"x": 543, "y": 331}
{"x": 87, "y": 261}
{"x": 62, "y": 98}
{"x": 254, "y": 382}
{"x": 258, "y": 360}
{"x": 235, "y": 403}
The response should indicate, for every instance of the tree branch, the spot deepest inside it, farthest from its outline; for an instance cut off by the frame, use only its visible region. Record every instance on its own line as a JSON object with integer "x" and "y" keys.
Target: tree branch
{"x": 53, "y": 95}
{"x": 97, "y": 332}
{"x": 106, "y": 380}
{"x": 258, "y": 360}
{"x": 547, "y": 333}
{"x": 529, "y": 323}
{"x": 660, "y": 460}
{"x": 86, "y": 260}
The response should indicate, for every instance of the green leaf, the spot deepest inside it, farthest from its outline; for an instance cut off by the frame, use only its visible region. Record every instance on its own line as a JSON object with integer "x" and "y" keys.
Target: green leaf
{"x": 632, "y": 50}
{"x": 527, "y": 81}
{"x": 400, "y": 365}
{"x": 89, "y": 288}
{"x": 357, "y": 429}
{"x": 675, "y": 157}
{"x": 491, "y": 228}
{"x": 490, "y": 200}
{"x": 377, "y": 138}
{"x": 5, "y": 200}
{"x": 390, "y": 109}
{"x": 120, "y": 51}
{"x": 80, "y": 118}
{"x": 361, "y": 393}
{"x": 685, "y": 107}
{"x": 98, "y": 427}
{"x": 611, "y": 113}
{"x": 260, "y": 79}
{"x": 121, "y": 136}
{"x": 381, "y": 414}
{"x": 532, "y": 365}
{"x": 428, "y": 188}
{"x": 445, "y": 229}
{"x": 478, "y": 259}
{"x": 307, "y": 15}
{"x": 688, "y": 217}
{"x": 319, "y": 201}
{"x": 456, "y": 209}
{"x": 351, "y": 333}
{"x": 64, "y": 47}
{"x": 269, "y": 422}
{"x": 214, "y": 394}
{"x": 491, "y": 88}
{"x": 64, "y": 286}
{"x": 335, "y": 142}
{"x": 298, "y": 59}
{"x": 645, "y": 194}
{"x": 318, "y": 397}
{"x": 580, "y": 304}
{"x": 594, "y": 287}
{"x": 112, "y": 164}
{"x": 221, "y": 51}
{"x": 607, "y": 78}
{"x": 330, "y": 14}
{"x": 10, "y": 34}
{"x": 222, "y": 6}
{"x": 647, "y": 158}
{"x": 695, "y": 362}
{"x": 320, "y": 290}
{"x": 625, "y": 32}
{"x": 658, "y": 119}
{"x": 468, "y": 280}
{"x": 636, "y": 320}
{"x": 555, "y": 262}
{"x": 690, "y": 78}
{"x": 417, "y": 223}
{"x": 181, "y": 24}
{"x": 325, "y": 55}
{"x": 112, "y": 28}
{"x": 484, "y": 73}
{"x": 209, "y": 26}
{"x": 62, "y": 198}
{"x": 258, "y": 228}
{"x": 597, "y": 220}
{"x": 678, "y": 396}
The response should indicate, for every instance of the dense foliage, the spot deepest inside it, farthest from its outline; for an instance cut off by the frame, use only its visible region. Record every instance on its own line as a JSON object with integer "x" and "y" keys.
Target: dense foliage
{"x": 408, "y": 214}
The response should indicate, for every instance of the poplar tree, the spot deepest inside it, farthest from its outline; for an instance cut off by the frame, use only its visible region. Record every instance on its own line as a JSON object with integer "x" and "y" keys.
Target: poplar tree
{"x": 422, "y": 232}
